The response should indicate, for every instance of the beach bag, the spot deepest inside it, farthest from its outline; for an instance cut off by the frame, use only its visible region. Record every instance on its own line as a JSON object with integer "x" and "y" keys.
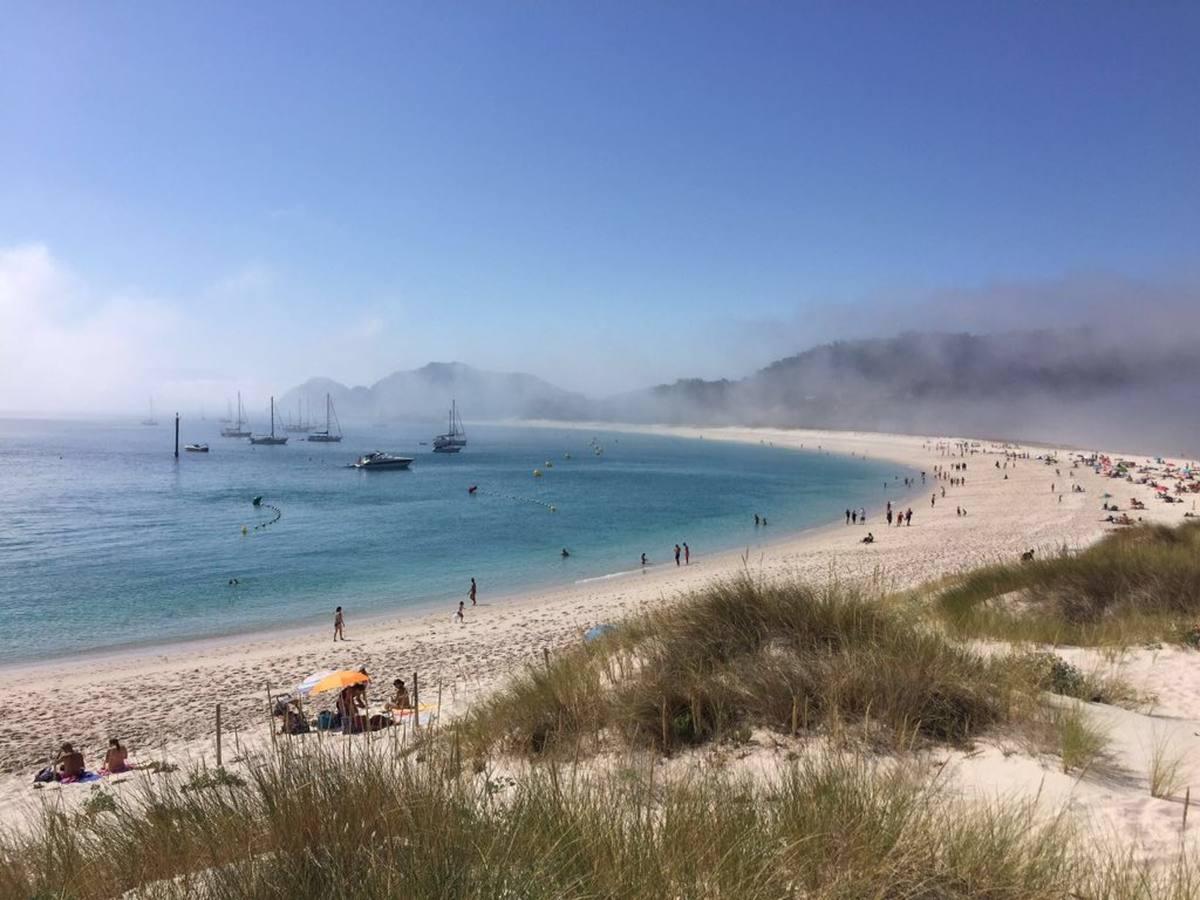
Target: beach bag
{"x": 328, "y": 719}
{"x": 47, "y": 774}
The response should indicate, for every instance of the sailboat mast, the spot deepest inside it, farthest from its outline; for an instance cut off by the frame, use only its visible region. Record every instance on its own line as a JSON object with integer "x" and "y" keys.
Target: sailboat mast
{"x": 272, "y": 417}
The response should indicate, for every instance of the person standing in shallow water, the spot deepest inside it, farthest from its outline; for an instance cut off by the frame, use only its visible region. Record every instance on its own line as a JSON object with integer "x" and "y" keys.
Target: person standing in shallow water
{"x": 677, "y": 551}
{"x": 339, "y": 624}
{"x": 687, "y": 554}
{"x": 471, "y": 593}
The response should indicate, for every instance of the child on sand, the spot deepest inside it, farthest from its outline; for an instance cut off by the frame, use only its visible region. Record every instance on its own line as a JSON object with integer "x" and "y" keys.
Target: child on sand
{"x": 339, "y": 624}
{"x": 459, "y": 615}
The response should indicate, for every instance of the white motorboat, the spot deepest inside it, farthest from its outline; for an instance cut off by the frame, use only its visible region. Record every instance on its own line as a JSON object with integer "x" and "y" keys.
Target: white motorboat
{"x": 377, "y": 459}
{"x": 271, "y": 439}
{"x": 196, "y": 448}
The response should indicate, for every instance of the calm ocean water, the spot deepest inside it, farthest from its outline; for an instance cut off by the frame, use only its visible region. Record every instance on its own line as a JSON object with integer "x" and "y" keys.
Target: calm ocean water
{"x": 107, "y": 541}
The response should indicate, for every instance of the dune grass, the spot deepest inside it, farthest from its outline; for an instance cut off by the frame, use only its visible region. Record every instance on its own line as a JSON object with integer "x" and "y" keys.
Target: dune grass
{"x": 315, "y": 826}
{"x": 1167, "y": 768}
{"x": 1138, "y": 584}
{"x": 1078, "y": 740}
{"x": 744, "y": 654}
{"x": 435, "y": 819}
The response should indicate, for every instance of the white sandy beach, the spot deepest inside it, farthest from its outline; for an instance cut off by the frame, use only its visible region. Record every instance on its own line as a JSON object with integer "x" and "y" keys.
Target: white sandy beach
{"x": 162, "y": 701}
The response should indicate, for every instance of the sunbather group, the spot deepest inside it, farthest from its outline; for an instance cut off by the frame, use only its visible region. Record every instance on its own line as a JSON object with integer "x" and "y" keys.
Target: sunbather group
{"x": 350, "y": 713}
{"x": 69, "y": 766}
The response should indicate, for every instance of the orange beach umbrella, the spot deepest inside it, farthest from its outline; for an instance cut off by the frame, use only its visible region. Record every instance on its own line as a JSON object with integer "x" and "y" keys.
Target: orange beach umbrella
{"x": 332, "y": 681}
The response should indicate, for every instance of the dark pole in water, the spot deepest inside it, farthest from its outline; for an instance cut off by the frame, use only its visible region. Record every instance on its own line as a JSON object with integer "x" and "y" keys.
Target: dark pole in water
{"x": 177, "y": 435}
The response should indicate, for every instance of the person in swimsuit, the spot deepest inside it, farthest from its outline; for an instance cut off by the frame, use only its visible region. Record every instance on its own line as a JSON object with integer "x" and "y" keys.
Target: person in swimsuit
{"x": 69, "y": 763}
{"x": 114, "y": 759}
{"x": 400, "y": 698}
{"x": 339, "y": 624}
{"x": 471, "y": 593}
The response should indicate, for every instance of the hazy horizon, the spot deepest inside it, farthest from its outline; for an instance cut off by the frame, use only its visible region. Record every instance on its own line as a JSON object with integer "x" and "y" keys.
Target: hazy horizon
{"x": 205, "y": 199}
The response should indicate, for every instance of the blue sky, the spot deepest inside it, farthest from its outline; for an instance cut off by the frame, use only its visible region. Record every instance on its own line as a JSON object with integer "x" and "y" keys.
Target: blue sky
{"x": 606, "y": 195}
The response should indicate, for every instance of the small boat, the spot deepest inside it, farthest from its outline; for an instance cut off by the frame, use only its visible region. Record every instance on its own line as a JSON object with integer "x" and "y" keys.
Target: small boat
{"x": 196, "y": 448}
{"x": 269, "y": 439}
{"x": 236, "y": 430}
{"x": 328, "y": 435}
{"x": 455, "y": 437}
{"x": 377, "y": 459}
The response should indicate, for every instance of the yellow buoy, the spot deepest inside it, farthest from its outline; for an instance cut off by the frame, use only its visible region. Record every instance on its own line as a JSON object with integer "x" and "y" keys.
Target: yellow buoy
{"x": 244, "y": 529}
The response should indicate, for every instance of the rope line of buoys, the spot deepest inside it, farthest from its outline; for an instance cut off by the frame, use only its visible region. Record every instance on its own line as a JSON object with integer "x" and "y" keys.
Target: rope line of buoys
{"x": 258, "y": 504}
{"x": 475, "y": 490}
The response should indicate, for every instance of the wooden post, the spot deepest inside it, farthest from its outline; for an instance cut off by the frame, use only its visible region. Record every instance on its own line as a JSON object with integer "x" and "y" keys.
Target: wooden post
{"x": 270, "y": 717}
{"x": 177, "y": 435}
{"x": 795, "y": 716}
{"x": 546, "y": 657}
{"x": 218, "y": 735}
{"x": 1187, "y": 801}
{"x": 416, "y": 702}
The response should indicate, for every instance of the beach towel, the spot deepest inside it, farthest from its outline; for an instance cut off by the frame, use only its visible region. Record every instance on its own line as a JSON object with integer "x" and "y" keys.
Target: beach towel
{"x": 85, "y": 778}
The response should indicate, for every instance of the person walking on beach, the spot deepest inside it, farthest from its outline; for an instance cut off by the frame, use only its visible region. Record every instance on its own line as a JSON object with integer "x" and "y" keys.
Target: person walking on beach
{"x": 677, "y": 551}
{"x": 687, "y": 552}
{"x": 459, "y": 614}
{"x": 339, "y": 624}
{"x": 908, "y": 517}
{"x": 471, "y": 593}
{"x": 847, "y": 517}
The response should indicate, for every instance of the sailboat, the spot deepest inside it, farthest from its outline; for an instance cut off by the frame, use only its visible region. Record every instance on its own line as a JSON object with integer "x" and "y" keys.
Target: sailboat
{"x": 150, "y": 420}
{"x": 328, "y": 435}
{"x": 300, "y": 425}
{"x": 269, "y": 439}
{"x": 236, "y": 430}
{"x": 455, "y": 437}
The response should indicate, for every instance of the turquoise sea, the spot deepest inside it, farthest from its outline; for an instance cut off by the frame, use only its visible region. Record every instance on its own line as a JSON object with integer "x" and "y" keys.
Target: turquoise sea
{"x": 106, "y": 540}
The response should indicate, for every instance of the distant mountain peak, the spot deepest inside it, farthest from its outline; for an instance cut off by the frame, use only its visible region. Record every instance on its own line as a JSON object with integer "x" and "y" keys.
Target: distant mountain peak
{"x": 423, "y": 394}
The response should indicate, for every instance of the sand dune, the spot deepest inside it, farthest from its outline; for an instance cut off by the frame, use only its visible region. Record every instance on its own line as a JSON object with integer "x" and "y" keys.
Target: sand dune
{"x": 162, "y": 702}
